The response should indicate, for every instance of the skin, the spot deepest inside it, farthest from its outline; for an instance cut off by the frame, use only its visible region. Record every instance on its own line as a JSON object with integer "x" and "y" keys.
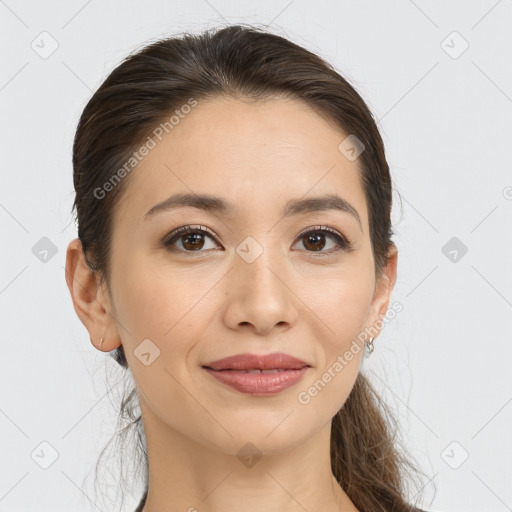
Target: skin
{"x": 197, "y": 309}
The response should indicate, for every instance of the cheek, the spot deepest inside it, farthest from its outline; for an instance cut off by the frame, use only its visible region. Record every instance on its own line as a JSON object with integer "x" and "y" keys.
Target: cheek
{"x": 162, "y": 308}
{"x": 328, "y": 389}
{"x": 168, "y": 307}
{"x": 153, "y": 298}
{"x": 343, "y": 308}
{"x": 143, "y": 298}
{"x": 341, "y": 300}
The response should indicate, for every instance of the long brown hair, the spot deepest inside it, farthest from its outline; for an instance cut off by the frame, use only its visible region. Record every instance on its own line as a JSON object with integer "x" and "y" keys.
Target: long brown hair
{"x": 243, "y": 61}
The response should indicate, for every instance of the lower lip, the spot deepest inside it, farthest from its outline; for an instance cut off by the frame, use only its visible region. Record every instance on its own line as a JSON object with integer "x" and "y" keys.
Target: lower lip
{"x": 258, "y": 383}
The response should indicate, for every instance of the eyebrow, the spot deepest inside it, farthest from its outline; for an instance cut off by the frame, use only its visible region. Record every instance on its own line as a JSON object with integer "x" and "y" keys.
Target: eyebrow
{"x": 218, "y": 205}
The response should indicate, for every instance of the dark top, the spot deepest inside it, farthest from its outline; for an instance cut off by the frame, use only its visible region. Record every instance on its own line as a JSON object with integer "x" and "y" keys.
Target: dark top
{"x": 143, "y": 502}
{"x": 140, "y": 506}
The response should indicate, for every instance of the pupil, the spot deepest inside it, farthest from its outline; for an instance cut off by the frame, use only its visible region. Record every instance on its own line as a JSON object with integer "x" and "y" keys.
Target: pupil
{"x": 315, "y": 238}
{"x": 196, "y": 242}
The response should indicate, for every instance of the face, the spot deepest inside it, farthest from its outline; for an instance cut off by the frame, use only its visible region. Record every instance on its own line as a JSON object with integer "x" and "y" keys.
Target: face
{"x": 253, "y": 278}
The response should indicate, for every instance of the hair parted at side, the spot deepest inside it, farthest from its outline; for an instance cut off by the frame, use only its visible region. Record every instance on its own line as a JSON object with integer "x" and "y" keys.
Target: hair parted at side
{"x": 246, "y": 62}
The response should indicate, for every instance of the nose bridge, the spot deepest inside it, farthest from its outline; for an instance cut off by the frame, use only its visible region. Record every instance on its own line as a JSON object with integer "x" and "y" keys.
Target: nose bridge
{"x": 258, "y": 264}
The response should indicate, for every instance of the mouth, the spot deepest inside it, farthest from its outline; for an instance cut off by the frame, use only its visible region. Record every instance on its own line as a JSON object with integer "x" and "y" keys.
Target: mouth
{"x": 253, "y": 362}
{"x": 258, "y": 374}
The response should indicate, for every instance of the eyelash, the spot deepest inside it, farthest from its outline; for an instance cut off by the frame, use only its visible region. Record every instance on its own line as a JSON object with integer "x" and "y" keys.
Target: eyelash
{"x": 343, "y": 243}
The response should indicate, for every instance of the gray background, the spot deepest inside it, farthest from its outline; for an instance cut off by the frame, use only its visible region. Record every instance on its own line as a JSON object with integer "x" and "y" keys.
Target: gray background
{"x": 445, "y": 114}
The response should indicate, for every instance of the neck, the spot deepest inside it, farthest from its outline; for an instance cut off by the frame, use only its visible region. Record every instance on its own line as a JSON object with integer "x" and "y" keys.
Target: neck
{"x": 188, "y": 476}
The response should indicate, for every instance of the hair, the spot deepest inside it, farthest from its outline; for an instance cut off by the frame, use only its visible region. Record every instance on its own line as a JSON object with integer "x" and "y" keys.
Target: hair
{"x": 242, "y": 61}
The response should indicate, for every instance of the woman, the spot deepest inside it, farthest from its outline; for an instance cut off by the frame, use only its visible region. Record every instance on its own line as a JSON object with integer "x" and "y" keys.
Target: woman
{"x": 234, "y": 248}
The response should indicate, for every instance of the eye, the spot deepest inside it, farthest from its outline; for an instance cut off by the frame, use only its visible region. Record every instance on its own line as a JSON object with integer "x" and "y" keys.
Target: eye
{"x": 314, "y": 240}
{"x": 192, "y": 239}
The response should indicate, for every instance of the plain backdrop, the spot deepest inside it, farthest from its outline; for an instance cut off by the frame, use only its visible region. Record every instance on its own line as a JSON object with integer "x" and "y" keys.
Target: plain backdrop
{"x": 437, "y": 77}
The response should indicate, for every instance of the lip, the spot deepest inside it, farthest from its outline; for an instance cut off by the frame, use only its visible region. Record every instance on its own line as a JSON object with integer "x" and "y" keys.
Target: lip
{"x": 277, "y": 360}
{"x": 280, "y": 371}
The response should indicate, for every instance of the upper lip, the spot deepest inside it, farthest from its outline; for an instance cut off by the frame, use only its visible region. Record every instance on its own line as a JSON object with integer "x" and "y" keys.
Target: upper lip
{"x": 276, "y": 360}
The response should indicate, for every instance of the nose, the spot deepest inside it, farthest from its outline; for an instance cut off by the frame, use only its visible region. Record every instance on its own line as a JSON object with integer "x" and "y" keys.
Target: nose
{"x": 260, "y": 295}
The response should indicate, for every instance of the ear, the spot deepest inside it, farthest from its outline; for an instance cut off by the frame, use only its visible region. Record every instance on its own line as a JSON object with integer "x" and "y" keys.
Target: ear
{"x": 382, "y": 291}
{"x": 90, "y": 300}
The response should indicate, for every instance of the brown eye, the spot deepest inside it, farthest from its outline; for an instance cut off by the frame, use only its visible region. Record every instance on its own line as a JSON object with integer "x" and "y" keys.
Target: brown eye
{"x": 314, "y": 240}
{"x": 192, "y": 239}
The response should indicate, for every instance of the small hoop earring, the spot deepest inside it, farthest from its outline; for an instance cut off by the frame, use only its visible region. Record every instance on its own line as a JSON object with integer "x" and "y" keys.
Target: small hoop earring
{"x": 369, "y": 345}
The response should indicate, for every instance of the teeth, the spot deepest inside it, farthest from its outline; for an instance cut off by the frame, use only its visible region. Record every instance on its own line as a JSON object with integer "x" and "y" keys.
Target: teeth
{"x": 256, "y": 370}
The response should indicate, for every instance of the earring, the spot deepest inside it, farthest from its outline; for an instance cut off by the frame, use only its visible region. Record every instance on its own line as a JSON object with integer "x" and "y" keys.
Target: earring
{"x": 369, "y": 346}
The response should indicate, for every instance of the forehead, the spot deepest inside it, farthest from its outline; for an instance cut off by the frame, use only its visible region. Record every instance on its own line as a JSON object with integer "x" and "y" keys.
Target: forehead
{"x": 245, "y": 151}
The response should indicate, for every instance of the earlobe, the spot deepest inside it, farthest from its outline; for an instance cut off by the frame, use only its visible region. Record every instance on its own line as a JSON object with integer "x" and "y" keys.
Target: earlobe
{"x": 88, "y": 300}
